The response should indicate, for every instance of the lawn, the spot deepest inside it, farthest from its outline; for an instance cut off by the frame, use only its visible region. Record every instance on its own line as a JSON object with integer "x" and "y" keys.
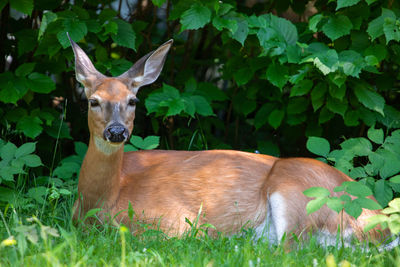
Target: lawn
{"x": 49, "y": 238}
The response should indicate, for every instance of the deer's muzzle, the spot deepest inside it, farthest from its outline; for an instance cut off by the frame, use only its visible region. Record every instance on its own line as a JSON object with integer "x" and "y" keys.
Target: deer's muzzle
{"x": 116, "y": 133}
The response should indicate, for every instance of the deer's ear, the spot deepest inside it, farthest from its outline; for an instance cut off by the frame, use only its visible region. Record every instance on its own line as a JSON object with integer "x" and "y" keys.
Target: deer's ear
{"x": 147, "y": 69}
{"x": 85, "y": 72}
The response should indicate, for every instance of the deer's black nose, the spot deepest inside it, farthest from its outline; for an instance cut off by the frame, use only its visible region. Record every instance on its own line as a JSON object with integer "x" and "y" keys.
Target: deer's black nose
{"x": 116, "y": 133}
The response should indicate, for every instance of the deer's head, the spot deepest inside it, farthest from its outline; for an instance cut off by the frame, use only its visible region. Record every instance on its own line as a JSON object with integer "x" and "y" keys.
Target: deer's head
{"x": 112, "y": 100}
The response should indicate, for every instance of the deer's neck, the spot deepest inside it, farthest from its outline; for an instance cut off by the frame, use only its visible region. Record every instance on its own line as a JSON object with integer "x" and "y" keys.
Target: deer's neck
{"x": 99, "y": 178}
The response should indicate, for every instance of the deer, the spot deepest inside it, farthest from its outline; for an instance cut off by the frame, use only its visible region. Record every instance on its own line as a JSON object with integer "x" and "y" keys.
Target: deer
{"x": 233, "y": 189}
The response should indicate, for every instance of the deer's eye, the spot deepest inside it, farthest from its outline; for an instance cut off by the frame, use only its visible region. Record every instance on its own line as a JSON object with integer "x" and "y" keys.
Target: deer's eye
{"x": 133, "y": 101}
{"x": 94, "y": 103}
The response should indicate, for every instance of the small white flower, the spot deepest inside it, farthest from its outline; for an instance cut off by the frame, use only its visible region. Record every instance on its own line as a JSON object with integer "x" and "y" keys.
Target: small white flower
{"x": 236, "y": 248}
{"x": 144, "y": 249}
{"x": 315, "y": 262}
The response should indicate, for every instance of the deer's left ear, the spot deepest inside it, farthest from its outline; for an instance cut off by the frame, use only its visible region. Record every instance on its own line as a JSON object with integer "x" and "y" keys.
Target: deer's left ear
{"x": 85, "y": 72}
{"x": 147, "y": 69}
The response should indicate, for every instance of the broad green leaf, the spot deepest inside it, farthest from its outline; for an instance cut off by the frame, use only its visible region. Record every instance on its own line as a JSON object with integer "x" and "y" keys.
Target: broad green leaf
{"x": 394, "y": 224}
{"x": 382, "y": 192}
{"x": 158, "y": 3}
{"x": 66, "y": 170}
{"x": 24, "y": 69}
{"x": 325, "y": 115}
{"x": 243, "y": 104}
{"x": 32, "y": 160}
{"x": 265, "y": 36}
{"x": 174, "y": 106}
{"x": 326, "y": 62}
{"x": 376, "y": 26}
{"x": 257, "y": 21}
{"x": 222, "y": 8}
{"x": 129, "y": 148}
{"x": 243, "y": 76}
{"x": 242, "y": 31}
{"x": 150, "y": 142}
{"x": 211, "y": 92}
{"x": 48, "y": 17}
{"x": 357, "y": 189}
{"x": 373, "y": 221}
{"x": 351, "y": 62}
{"x": 7, "y": 152}
{"x": 40, "y": 83}
{"x": 262, "y": 115}
{"x": 37, "y": 193}
{"x": 125, "y": 36}
{"x": 285, "y": 28}
{"x": 316, "y": 192}
{"x": 297, "y": 105}
{"x": 344, "y": 198}
{"x": 314, "y": 21}
{"x": 337, "y": 106}
{"x": 195, "y": 17}
{"x": 110, "y": 27}
{"x": 394, "y": 206}
{"x": 275, "y": 118}
{"x": 391, "y": 29}
{"x": 353, "y": 209}
{"x": 351, "y": 118}
{"x": 7, "y": 195}
{"x": 221, "y": 23}
{"x": 318, "y": 95}
{"x": 315, "y": 204}
{"x": 190, "y": 108}
{"x": 318, "y": 146}
{"x": 30, "y": 126}
{"x": 369, "y": 99}
{"x": 337, "y": 26}
{"x": 375, "y": 135}
{"x": 25, "y": 149}
{"x": 357, "y": 146}
{"x": 367, "y": 203}
{"x": 9, "y": 93}
{"x": 395, "y": 179}
{"x": 277, "y": 74}
{"x": 202, "y": 106}
{"x": 77, "y": 31}
{"x": 301, "y": 88}
{"x": 357, "y": 172}
{"x": 346, "y": 3}
{"x": 337, "y": 92}
{"x": 391, "y": 163}
{"x": 335, "y": 204}
{"x": 24, "y": 6}
{"x": 93, "y": 25}
{"x": 371, "y": 60}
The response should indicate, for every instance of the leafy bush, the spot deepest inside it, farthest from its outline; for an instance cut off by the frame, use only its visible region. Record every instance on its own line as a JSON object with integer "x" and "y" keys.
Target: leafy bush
{"x": 376, "y": 168}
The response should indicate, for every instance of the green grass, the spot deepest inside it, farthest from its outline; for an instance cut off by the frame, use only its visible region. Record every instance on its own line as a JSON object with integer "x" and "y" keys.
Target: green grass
{"x": 106, "y": 245}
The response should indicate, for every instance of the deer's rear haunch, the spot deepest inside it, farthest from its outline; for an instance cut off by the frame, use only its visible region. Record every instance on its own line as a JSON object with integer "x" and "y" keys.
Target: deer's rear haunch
{"x": 235, "y": 189}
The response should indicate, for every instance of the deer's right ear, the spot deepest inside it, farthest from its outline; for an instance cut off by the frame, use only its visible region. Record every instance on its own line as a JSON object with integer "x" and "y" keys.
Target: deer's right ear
{"x": 85, "y": 72}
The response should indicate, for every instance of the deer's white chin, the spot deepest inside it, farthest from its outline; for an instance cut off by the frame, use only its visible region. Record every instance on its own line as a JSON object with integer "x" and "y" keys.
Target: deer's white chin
{"x": 107, "y": 147}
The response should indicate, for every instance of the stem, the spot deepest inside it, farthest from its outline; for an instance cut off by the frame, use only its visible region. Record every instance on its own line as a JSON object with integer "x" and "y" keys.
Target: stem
{"x": 5, "y": 223}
